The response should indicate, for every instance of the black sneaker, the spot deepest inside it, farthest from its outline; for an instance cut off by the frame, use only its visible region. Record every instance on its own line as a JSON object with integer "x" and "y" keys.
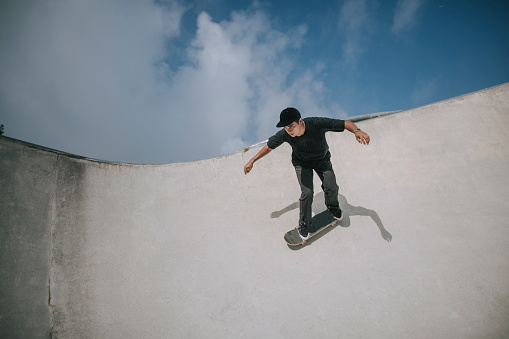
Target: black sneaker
{"x": 303, "y": 231}
{"x": 336, "y": 212}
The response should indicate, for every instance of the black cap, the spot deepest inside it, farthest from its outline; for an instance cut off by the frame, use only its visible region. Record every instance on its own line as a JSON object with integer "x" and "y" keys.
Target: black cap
{"x": 288, "y": 115}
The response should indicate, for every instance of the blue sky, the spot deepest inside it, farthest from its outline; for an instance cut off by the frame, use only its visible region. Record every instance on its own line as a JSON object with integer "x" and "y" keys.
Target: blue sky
{"x": 168, "y": 81}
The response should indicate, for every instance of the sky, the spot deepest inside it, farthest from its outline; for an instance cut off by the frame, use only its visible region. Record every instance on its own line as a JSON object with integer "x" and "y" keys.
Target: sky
{"x": 144, "y": 81}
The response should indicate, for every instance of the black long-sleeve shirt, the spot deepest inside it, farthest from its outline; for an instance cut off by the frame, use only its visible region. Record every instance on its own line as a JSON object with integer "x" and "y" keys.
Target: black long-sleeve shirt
{"x": 310, "y": 149}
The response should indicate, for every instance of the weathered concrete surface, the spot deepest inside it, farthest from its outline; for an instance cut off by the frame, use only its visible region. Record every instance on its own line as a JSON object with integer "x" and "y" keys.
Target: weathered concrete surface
{"x": 196, "y": 249}
{"x": 27, "y": 188}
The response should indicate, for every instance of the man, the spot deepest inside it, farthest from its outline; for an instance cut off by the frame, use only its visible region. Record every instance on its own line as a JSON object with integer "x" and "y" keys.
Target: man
{"x": 310, "y": 152}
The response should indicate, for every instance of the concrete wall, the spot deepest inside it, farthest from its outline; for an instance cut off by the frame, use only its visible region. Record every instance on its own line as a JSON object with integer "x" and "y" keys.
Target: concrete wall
{"x": 28, "y": 181}
{"x": 103, "y": 250}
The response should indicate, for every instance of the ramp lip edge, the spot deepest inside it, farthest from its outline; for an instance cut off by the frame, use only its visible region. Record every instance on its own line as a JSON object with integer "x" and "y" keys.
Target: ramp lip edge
{"x": 352, "y": 119}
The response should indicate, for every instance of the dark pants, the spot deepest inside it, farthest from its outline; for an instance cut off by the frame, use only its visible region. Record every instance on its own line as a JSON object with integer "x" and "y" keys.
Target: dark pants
{"x": 329, "y": 187}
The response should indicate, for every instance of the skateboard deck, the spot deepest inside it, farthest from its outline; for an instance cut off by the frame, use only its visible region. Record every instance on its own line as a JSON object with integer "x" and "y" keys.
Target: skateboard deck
{"x": 293, "y": 238}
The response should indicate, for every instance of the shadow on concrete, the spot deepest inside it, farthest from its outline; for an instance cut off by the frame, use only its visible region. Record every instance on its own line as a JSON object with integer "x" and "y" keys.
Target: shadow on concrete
{"x": 323, "y": 217}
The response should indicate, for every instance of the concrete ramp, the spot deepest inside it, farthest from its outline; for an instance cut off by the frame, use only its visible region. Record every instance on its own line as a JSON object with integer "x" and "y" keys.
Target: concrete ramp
{"x": 92, "y": 249}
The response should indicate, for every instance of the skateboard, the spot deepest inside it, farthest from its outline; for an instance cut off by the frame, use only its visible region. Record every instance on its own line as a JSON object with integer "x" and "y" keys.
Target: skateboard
{"x": 293, "y": 238}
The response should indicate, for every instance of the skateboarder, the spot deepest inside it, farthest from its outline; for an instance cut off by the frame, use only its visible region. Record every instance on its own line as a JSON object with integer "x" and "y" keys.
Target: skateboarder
{"x": 310, "y": 152}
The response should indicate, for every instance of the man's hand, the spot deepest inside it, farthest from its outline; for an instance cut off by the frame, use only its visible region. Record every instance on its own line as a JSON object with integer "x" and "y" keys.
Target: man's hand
{"x": 263, "y": 152}
{"x": 248, "y": 167}
{"x": 362, "y": 137}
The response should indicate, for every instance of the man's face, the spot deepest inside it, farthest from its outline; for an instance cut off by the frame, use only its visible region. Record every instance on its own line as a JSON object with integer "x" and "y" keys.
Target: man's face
{"x": 294, "y": 128}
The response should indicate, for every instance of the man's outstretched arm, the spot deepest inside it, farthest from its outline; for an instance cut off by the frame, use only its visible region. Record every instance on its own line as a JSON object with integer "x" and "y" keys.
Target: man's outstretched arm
{"x": 263, "y": 152}
{"x": 361, "y": 136}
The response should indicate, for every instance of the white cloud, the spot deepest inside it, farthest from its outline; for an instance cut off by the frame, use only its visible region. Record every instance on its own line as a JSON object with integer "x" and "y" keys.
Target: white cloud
{"x": 356, "y": 23}
{"x": 95, "y": 78}
{"x": 241, "y": 73}
{"x": 405, "y": 14}
{"x": 424, "y": 92}
{"x": 80, "y": 75}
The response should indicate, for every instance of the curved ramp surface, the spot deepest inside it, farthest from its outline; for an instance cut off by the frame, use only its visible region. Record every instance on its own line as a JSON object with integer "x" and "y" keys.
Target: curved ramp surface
{"x": 195, "y": 250}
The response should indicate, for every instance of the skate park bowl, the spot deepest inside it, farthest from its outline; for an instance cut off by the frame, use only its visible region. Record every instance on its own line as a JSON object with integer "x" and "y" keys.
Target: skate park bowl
{"x": 95, "y": 249}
